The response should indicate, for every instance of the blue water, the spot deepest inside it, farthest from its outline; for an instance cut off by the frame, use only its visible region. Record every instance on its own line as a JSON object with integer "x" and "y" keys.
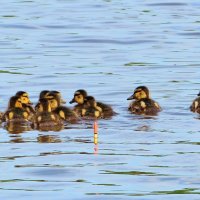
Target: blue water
{"x": 108, "y": 48}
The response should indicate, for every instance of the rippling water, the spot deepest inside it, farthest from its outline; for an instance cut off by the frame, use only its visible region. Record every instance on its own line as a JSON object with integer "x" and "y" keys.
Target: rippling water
{"x": 109, "y": 48}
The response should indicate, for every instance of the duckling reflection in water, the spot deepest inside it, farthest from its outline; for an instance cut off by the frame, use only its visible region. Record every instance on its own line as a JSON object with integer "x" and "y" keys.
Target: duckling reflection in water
{"x": 91, "y": 110}
{"x": 143, "y": 104}
{"x": 45, "y": 119}
{"x": 79, "y": 98}
{"x": 195, "y": 107}
{"x": 48, "y": 139}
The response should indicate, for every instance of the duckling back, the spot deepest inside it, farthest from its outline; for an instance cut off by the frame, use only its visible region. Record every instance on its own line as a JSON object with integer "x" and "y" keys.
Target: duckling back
{"x": 91, "y": 109}
{"x": 15, "y": 111}
{"x": 66, "y": 114}
{"x": 107, "y": 110}
{"x": 45, "y": 117}
{"x": 144, "y": 107}
{"x": 16, "y": 115}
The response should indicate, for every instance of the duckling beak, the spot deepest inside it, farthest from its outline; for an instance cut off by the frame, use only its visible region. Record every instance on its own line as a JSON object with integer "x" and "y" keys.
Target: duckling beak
{"x": 131, "y": 97}
{"x": 72, "y": 101}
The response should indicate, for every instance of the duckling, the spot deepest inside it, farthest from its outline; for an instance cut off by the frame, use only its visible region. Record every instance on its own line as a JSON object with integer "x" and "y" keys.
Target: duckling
{"x": 45, "y": 117}
{"x": 15, "y": 112}
{"x": 79, "y": 97}
{"x": 91, "y": 109}
{"x": 143, "y": 104}
{"x": 195, "y": 107}
{"x": 26, "y": 103}
{"x": 45, "y": 95}
{"x": 63, "y": 112}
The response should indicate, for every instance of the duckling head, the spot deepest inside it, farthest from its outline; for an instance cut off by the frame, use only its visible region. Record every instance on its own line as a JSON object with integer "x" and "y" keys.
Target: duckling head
{"x": 58, "y": 95}
{"x": 24, "y": 97}
{"x": 43, "y": 94}
{"x": 15, "y": 102}
{"x": 90, "y": 101}
{"x": 140, "y": 92}
{"x": 79, "y": 97}
{"x": 198, "y": 94}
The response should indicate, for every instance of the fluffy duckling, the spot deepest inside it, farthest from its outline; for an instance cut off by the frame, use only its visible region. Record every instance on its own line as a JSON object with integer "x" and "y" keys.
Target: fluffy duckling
{"x": 26, "y": 103}
{"x": 45, "y": 117}
{"x": 63, "y": 112}
{"x": 45, "y": 94}
{"x": 91, "y": 109}
{"x": 79, "y": 97}
{"x": 15, "y": 112}
{"x": 195, "y": 107}
{"x": 143, "y": 104}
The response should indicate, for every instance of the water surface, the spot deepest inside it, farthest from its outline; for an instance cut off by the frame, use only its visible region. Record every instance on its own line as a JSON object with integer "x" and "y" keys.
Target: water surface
{"x": 109, "y": 48}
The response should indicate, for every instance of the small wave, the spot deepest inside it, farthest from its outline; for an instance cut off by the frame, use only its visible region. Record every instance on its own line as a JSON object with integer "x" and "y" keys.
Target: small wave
{"x": 168, "y": 4}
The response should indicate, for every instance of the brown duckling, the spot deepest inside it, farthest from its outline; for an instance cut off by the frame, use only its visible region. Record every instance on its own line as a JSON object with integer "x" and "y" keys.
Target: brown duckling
{"x": 63, "y": 112}
{"x": 143, "y": 104}
{"x": 26, "y": 103}
{"x": 91, "y": 110}
{"x": 15, "y": 112}
{"x": 44, "y": 94}
{"x": 79, "y": 97}
{"x": 195, "y": 107}
{"x": 45, "y": 117}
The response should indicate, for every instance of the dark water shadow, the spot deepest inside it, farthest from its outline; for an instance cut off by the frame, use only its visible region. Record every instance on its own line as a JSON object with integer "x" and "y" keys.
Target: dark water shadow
{"x": 168, "y": 4}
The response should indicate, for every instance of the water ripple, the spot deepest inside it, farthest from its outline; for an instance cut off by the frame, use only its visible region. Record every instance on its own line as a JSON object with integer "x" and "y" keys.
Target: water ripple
{"x": 168, "y": 4}
{"x": 107, "y": 41}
